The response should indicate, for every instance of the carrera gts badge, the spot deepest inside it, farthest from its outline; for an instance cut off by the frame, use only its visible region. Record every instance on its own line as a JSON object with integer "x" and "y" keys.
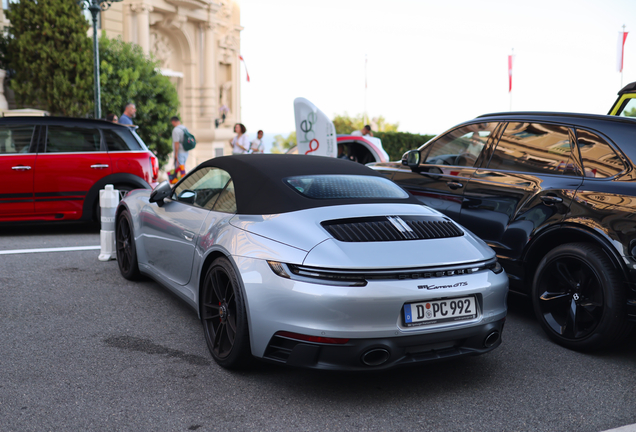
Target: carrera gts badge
{"x": 434, "y": 287}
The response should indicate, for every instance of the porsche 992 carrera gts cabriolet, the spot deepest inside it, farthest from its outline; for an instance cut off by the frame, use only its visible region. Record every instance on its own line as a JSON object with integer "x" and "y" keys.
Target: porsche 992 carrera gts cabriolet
{"x": 314, "y": 262}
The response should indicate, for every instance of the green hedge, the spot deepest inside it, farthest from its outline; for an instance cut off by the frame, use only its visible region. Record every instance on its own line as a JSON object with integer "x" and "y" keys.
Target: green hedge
{"x": 398, "y": 143}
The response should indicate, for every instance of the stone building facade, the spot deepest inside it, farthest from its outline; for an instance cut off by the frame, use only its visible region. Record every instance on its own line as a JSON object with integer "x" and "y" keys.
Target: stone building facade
{"x": 197, "y": 43}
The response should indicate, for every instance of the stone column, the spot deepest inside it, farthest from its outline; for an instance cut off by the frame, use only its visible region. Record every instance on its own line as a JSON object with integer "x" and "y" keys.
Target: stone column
{"x": 127, "y": 21}
{"x": 143, "y": 25}
{"x": 209, "y": 68}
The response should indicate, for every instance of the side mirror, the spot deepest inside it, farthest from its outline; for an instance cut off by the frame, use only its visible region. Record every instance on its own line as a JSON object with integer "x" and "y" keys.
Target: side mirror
{"x": 411, "y": 158}
{"x": 187, "y": 196}
{"x": 161, "y": 192}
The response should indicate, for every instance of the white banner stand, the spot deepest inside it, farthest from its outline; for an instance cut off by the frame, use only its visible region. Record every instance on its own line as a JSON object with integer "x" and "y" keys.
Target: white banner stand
{"x": 315, "y": 133}
{"x": 108, "y": 201}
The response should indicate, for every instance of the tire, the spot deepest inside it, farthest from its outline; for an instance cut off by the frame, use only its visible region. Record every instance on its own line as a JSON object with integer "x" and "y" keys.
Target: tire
{"x": 578, "y": 298}
{"x": 224, "y": 317}
{"x": 125, "y": 246}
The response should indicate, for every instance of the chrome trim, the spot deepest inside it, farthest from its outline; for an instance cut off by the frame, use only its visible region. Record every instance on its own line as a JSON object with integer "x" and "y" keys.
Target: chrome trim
{"x": 21, "y": 168}
{"x": 354, "y": 277}
{"x": 402, "y": 227}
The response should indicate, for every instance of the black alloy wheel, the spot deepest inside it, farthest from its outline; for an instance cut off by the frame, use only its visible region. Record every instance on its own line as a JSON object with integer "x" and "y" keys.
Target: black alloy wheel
{"x": 125, "y": 247}
{"x": 123, "y": 190}
{"x": 224, "y": 317}
{"x": 578, "y": 297}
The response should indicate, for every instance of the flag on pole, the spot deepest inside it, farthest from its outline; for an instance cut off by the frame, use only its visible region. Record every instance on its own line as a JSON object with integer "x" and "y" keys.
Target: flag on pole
{"x": 510, "y": 73}
{"x": 244, "y": 64}
{"x": 622, "y": 36}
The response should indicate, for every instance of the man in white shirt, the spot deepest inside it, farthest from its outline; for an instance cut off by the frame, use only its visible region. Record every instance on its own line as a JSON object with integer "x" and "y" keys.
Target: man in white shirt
{"x": 180, "y": 155}
{"x": 366, "y": 131}
{"x": 257, "y": 145}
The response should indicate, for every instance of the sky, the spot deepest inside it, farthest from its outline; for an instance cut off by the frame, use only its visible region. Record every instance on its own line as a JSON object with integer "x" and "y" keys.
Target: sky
{"x": 430, "y": 64}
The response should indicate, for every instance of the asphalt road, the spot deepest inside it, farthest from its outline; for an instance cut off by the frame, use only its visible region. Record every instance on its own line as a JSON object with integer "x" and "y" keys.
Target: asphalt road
{"x": 81, "y": 348}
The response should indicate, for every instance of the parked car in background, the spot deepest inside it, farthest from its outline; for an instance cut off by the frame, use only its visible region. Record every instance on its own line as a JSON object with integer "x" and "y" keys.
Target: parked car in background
{"x": 52, "y": 168}
{"x": 359, "y": 149}
{"x": 625, "y": 104}
{"x": 314, "y": 262}
{"x": 553, "y": 194}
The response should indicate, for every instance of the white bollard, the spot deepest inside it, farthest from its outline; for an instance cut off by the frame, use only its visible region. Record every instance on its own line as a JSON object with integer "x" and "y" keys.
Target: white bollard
{"x": 108, "y": 200}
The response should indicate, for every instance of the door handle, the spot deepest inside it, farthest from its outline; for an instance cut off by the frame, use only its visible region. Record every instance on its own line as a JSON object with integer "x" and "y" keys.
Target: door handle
{"x": 551, "y": 199}
{"x": 454, "y": 185}
{"x": 21, "y": 168}
{"x": 188, "y": 235}
{"x": 99, "y": 166}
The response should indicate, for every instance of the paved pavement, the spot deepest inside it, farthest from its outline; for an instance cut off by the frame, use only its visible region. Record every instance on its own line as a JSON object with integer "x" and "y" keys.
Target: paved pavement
{"x": 81, "y": 348}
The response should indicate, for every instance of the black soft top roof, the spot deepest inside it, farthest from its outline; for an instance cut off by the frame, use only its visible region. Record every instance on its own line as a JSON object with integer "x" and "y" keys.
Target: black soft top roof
{"x": 259, "y": 186}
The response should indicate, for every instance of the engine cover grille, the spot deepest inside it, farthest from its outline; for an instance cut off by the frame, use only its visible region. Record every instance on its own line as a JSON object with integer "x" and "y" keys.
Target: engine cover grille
{"x": 392, "y": 228}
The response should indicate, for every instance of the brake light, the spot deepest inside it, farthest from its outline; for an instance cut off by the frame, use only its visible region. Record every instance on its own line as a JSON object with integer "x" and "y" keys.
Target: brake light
{"x": 317, "y": 339}
{"x": 155, "y": 167}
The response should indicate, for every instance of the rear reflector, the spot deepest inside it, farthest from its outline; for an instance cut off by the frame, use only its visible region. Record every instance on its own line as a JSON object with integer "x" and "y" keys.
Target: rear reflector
{"x": 316, "y": 339}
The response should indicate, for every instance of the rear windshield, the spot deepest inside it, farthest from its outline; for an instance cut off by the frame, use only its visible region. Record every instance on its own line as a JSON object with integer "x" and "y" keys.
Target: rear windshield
{"x": 345, "y": 186}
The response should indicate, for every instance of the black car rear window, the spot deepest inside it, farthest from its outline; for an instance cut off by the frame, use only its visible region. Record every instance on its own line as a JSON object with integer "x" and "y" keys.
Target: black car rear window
{"x": 126, "y": 136}
{"x": 345, "y": 187}
{"x": 113, "y": 141}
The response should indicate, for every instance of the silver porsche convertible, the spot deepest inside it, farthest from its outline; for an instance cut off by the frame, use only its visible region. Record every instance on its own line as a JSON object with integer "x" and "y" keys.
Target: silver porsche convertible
{"x": 314, "y": 262}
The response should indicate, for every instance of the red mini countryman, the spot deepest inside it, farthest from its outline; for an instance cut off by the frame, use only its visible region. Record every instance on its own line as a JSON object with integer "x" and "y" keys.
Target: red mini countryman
{"x": 52, "y": 168}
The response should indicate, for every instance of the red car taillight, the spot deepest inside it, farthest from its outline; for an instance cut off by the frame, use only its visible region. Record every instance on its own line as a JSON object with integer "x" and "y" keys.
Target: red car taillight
{"x": 155, "y": 168}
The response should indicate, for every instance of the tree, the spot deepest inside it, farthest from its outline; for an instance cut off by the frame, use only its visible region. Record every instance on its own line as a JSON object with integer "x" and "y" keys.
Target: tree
{"x": 630, "y": 113}
{"x": 127, "y": 75}
{"x": 397, "y": 143}
{"x": 282, "y": 144}
{"x": 50, "y": 54}
{"x": 345, "y": 124}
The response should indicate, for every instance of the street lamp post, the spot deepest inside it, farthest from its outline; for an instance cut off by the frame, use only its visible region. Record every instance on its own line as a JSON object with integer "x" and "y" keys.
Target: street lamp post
{"x": 95, "y": 7}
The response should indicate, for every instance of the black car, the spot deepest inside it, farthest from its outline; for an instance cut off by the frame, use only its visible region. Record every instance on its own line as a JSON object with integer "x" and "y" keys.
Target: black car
{"x": 554, "y": 194}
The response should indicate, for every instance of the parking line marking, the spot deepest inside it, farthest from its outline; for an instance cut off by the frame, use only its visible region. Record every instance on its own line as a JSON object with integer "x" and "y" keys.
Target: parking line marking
{"x": 59, "y": 249}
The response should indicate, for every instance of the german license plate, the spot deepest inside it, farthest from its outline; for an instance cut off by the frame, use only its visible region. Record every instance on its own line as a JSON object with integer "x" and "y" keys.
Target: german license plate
{"x": 440, "y": 311}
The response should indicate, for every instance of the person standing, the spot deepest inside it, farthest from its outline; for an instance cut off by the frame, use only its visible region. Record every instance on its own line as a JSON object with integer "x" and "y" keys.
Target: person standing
{"x": 129, "y": 113}
{"x": 366, "y": 131}
{"x": 257, "y": 145}
{"x": 240, "y": 144}
{"x": 180, "y": 155}
{"x": 112, "y": 118}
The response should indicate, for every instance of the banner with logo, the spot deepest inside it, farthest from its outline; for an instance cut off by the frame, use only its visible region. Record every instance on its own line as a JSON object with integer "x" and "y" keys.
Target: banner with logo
{"x": 315, "y": 132}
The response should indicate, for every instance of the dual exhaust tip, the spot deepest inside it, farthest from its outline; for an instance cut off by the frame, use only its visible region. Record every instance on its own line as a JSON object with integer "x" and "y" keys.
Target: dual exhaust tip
{"x": 375, "y": 357}
{"x": 379, "y": 356}
{"x": 492, "y": 339}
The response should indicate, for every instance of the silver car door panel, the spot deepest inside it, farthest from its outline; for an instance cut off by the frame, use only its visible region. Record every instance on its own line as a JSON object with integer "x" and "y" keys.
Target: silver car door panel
{"x": 169, "y": 239}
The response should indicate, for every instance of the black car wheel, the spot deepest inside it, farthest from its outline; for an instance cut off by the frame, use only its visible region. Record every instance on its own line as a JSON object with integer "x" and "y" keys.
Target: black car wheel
{"x": 578, "y": 297}
{"x": 125, "y": 245}
{"x": 224, "y": 317}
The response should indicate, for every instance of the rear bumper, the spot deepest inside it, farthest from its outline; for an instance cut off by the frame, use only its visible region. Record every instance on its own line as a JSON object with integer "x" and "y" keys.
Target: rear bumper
{"x": 385, "y": 353}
